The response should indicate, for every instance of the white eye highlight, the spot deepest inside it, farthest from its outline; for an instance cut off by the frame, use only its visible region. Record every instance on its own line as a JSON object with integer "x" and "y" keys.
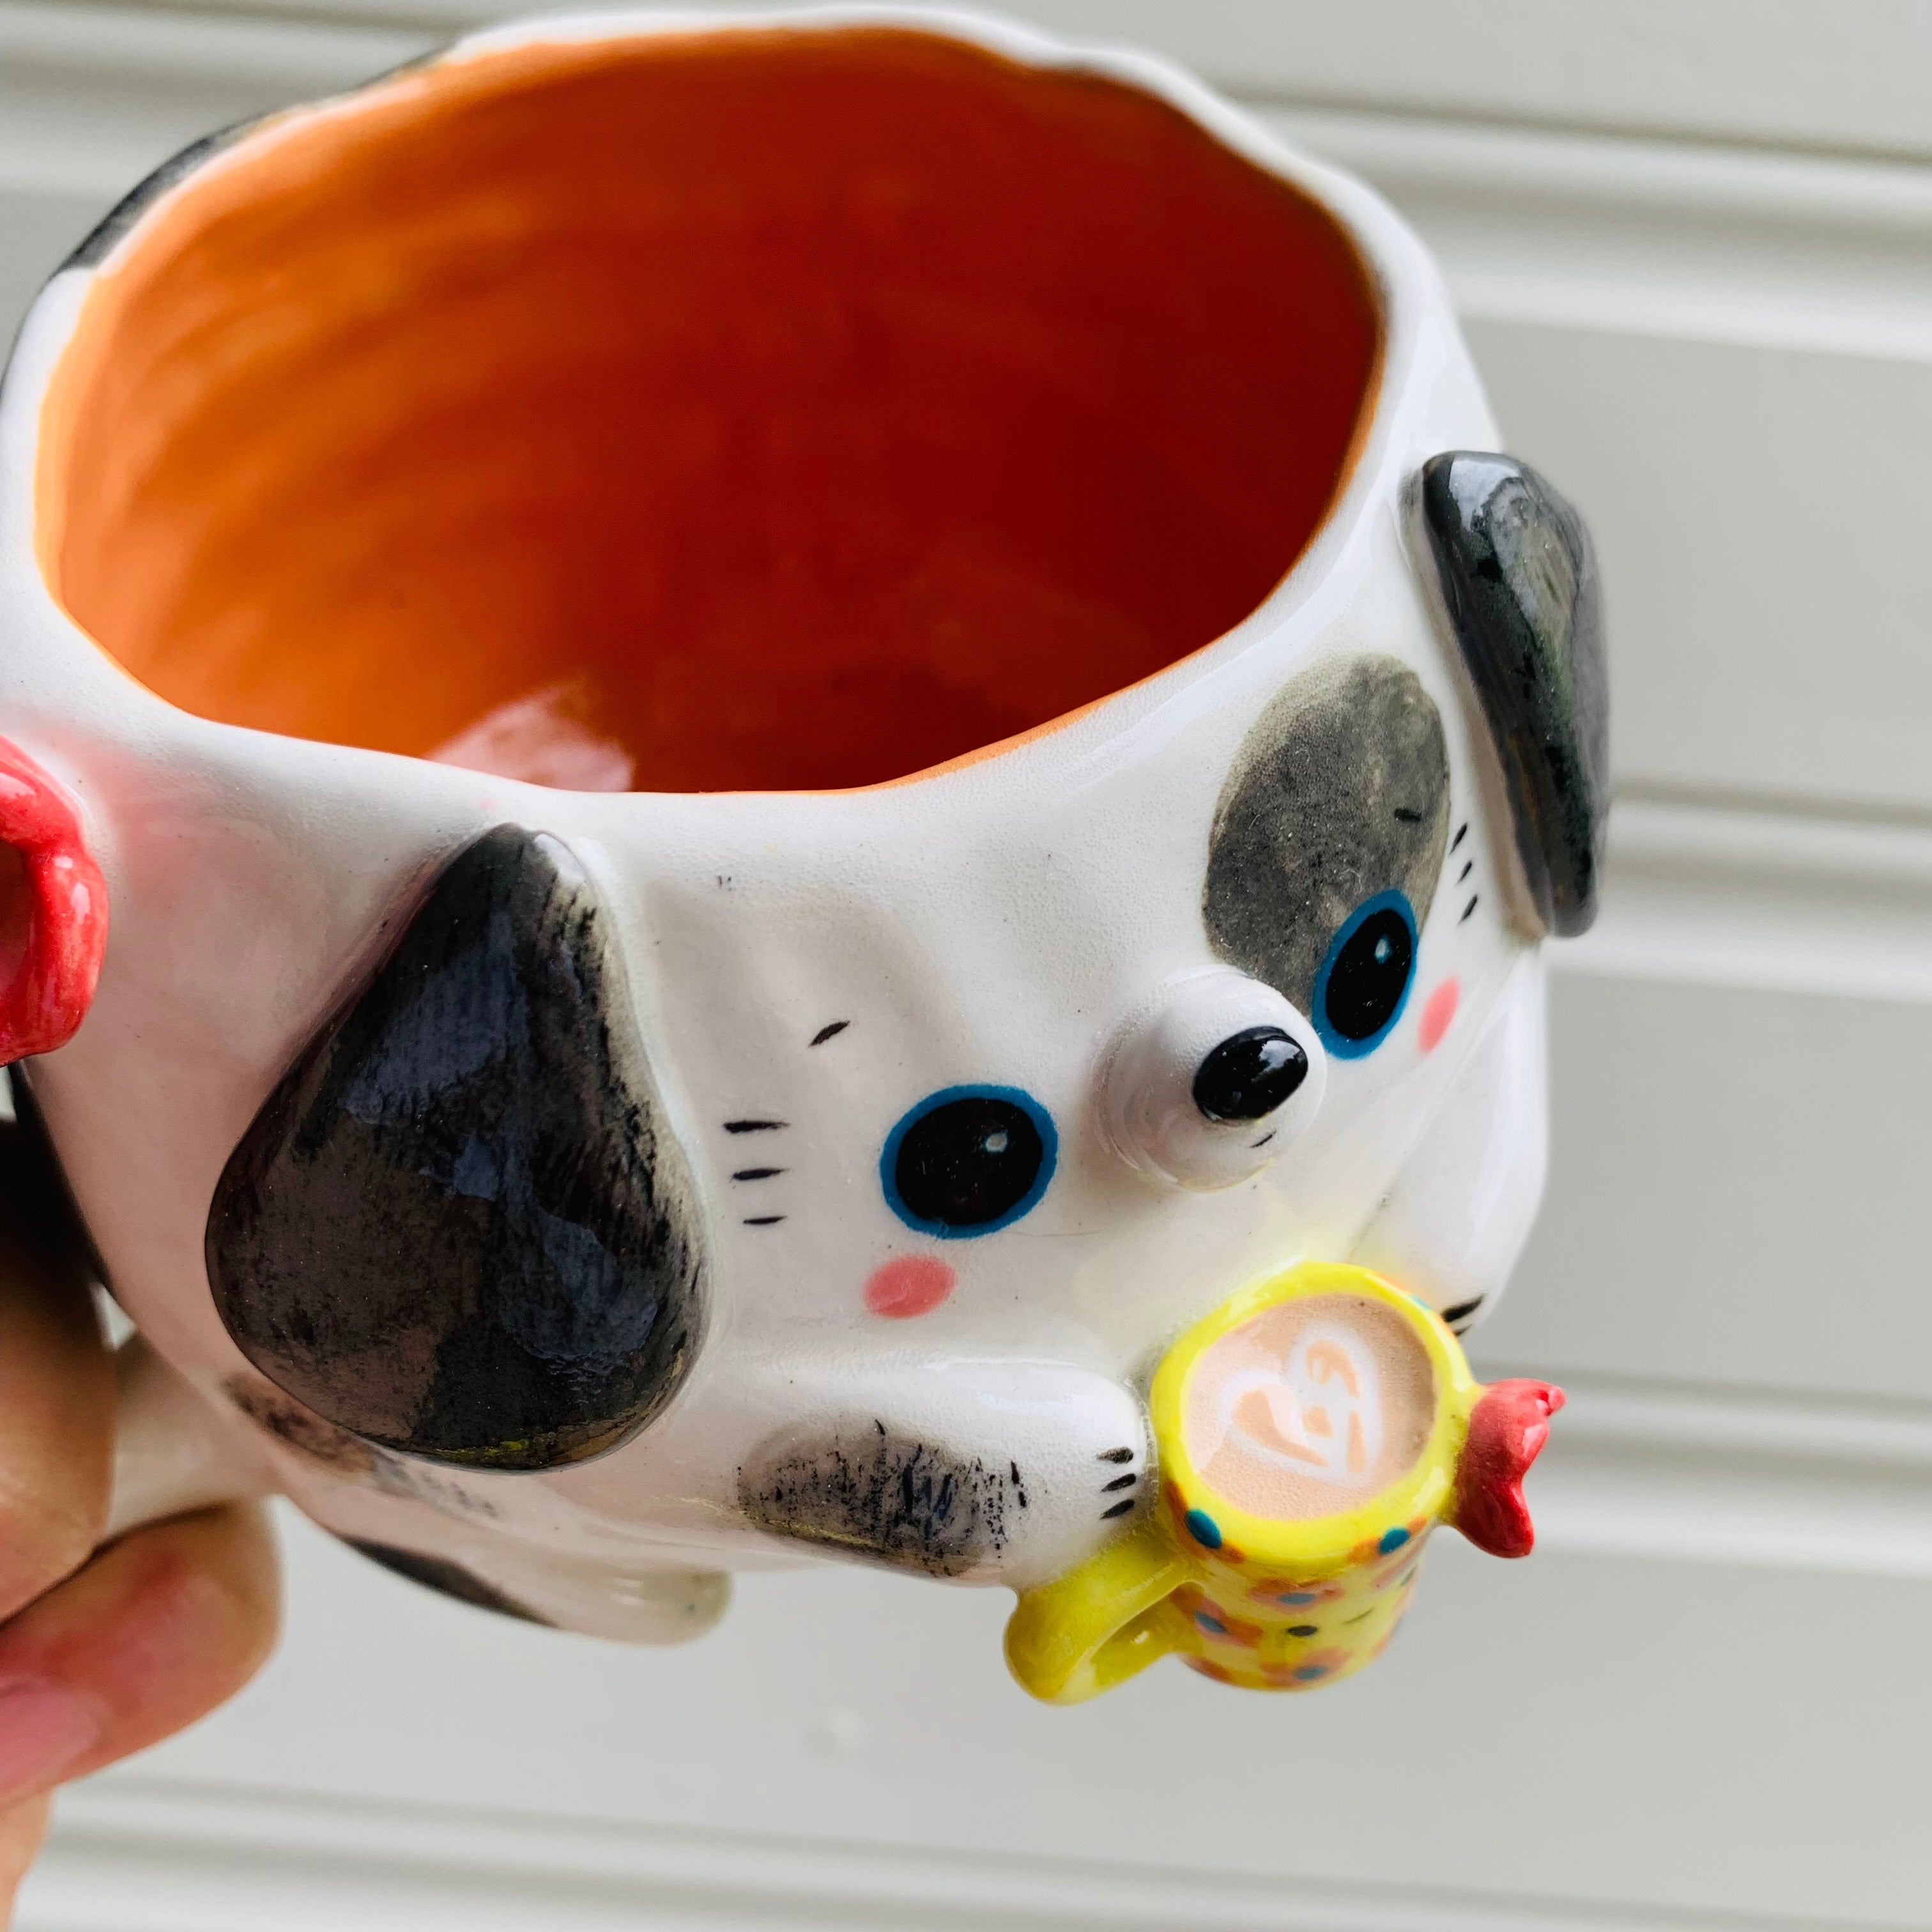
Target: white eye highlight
{"x": 1211, "y": 1080}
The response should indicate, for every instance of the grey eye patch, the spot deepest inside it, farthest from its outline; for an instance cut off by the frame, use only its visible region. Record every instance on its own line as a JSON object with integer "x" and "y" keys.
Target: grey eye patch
{"x": 458, "y": 1227}
{"x": 1339, "y": 794}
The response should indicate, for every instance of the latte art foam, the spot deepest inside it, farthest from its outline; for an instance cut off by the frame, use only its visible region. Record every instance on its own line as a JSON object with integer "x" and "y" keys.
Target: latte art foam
{"x": 1309, "y": 1409}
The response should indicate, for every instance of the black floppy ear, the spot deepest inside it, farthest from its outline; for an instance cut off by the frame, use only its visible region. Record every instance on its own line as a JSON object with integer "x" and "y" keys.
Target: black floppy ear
{"x": 1518, "y": 578}
{"x": 460, "y": 1227}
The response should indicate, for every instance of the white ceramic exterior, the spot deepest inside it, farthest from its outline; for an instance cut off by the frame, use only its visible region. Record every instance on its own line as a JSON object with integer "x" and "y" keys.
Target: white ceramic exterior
{"x": 1011, "y": 922}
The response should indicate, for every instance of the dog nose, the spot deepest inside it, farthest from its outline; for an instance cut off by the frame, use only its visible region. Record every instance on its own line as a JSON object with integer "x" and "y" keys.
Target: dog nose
{"x": 1210, "y": 1082}
{"x": 1250, "y": 1074}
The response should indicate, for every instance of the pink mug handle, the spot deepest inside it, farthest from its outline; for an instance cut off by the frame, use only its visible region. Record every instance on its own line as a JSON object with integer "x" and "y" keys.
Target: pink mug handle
{"x": 66, "y": 914}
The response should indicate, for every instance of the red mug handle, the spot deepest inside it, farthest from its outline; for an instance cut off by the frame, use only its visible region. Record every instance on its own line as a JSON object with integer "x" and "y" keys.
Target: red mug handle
{"x": 65, "y": 912}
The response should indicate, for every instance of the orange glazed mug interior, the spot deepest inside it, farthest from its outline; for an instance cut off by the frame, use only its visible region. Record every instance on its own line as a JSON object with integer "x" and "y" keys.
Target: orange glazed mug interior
{"x": 700, "y": 412}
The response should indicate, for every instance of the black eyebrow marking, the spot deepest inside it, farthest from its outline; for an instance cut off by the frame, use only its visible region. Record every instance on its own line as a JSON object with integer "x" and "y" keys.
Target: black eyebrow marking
{"x": 1474, "y": 898}
{"x": 1117, "y": 1455}
{"x": 1462, "y": 833}
{"x": 826, "y": 1033}
{"x": 756, "y": 1173}
{"x": 763, "y": 1220}
{"x": 754, "y": 1127}
{"x": 1265, "y": 1138}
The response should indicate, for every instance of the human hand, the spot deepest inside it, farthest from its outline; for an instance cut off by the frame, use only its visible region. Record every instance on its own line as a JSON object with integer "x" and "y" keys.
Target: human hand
{"x": 103, "y": 1650}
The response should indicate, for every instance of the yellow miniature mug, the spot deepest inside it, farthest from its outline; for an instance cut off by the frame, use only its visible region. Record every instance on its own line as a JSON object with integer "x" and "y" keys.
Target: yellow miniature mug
{"x": 1311, "y": 1432}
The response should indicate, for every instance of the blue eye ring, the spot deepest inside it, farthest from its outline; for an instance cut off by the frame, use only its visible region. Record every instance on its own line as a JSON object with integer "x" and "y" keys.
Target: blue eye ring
{"x": 1347, "y": 1046}
{"x": 905, "y": 1164}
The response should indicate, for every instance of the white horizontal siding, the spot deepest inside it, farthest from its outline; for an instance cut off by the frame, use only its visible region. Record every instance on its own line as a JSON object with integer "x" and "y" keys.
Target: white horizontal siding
{"x": 1693, "y": 242}
{"x": 1571, "y": 1742}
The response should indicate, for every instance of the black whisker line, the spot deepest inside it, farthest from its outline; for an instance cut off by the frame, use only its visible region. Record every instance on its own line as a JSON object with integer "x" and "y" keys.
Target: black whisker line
{"x": 1462, "y": 833}
{"x": 1474, "y": 898}
{"x": 826, "y": 1033}
{"x": 763, "y": 1220}
{"x": 1125, "y": 1482}
{"x": 756, "y": 1173}
{"x": 1117, "y": 1455}
{"x": 755, "y": 1126}
{"x": 1468, "y": 866}
{"x": 1409, "y": 815}
{"x": 1119, "y": 1509}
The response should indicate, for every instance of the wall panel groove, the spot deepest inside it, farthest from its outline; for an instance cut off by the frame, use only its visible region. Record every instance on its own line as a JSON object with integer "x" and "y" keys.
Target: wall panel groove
{"x": 1693, "y": 242}
{"x": 236, "y": 1861}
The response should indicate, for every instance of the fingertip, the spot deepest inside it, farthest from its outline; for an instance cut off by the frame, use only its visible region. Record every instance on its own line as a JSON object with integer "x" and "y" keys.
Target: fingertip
{"x": 158, "y": 1629}
{"x": 184, "y": 1612}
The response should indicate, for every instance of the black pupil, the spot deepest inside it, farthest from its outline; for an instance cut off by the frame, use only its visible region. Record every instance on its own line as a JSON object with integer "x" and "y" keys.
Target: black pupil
{"x": 1366, "y": 982}
{"x": 1249, "y": 1075}
{"x": 968, "y": 1162}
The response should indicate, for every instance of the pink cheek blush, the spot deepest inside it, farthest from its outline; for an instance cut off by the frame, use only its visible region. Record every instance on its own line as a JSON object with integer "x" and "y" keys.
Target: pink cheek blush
{"x": 912, "y": 1284}
{"x": 1437, "y": 1010}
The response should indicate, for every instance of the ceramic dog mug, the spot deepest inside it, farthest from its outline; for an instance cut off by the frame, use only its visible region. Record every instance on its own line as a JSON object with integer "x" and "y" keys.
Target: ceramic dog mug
{"x": 813, "y": 763}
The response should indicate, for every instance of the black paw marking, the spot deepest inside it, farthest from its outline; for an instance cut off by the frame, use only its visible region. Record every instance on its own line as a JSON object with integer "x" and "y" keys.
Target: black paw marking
{"x": 888, "y": 1498}
{"x": 1340, "y": 791}
{"x": 458, "y": 1227}
{"x": 1519, "y": 581}
{"x": 450, "y": 1580}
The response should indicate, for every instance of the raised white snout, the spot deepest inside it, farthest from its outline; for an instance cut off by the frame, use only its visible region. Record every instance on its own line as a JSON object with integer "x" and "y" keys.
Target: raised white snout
{"x": 1211, "y": 1080}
